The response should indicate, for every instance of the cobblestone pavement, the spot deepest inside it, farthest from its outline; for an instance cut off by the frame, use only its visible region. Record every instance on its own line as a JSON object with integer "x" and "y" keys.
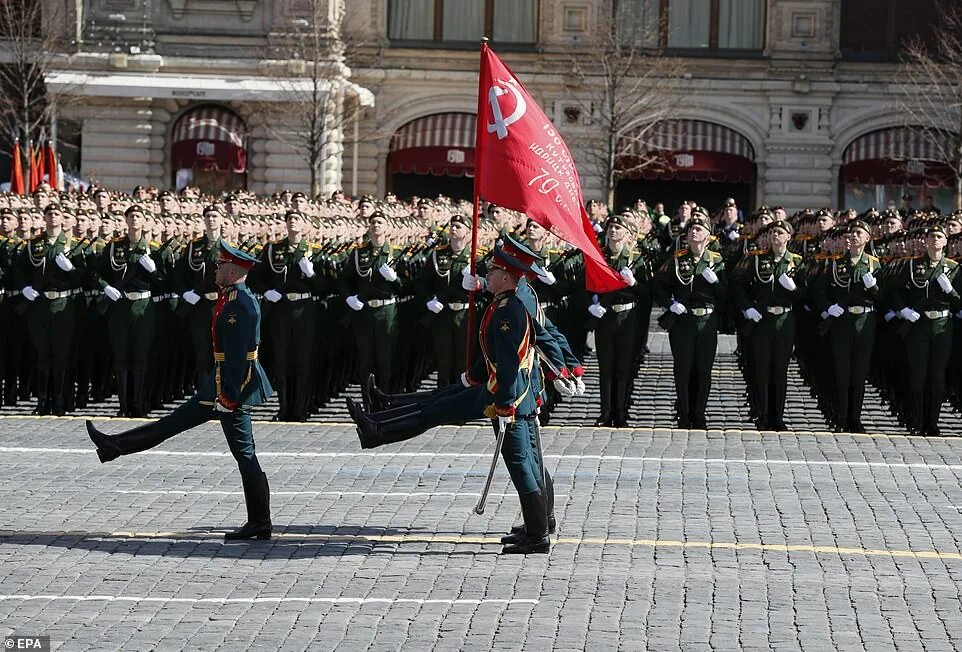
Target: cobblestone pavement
{"x": 668, "y": 540}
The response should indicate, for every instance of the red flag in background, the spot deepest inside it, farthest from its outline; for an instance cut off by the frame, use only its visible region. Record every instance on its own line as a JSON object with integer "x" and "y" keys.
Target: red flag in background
{"x": 36, "y": 167}
{"x": 523, "y": 164}
{"x": 16, "y": 174}
{"x": 51, "y": 167}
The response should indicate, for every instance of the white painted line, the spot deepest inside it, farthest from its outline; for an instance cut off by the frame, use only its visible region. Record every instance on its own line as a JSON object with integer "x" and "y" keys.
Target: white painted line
{"x": 380, "y": 494}
{"x": 600, "y": 458}
{"x": 268, "y": 600}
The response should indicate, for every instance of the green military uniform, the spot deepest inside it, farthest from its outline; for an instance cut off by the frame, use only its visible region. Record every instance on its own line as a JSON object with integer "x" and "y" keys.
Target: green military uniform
{"x": 851, "y": 334}
{"x": 130, "y": 318}
{"x": 693, "y": 335}
{"x": 928, "y": 340}
{"x": 375, "y": 325}
{"x": 11, "y": 331}
{"x": 439, "y": 291}
{"x": 618, "y": 336}
{"x": 760, "y": 290}
{"x": 51, "y": 316}
{"x": 196, "y": 276}
{"x": 292, "y": 319}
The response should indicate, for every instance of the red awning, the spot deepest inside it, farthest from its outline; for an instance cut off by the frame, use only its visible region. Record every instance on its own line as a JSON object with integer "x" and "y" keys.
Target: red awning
{"x": 897, "y": 156}
{"x": 442, "y": 145}
{"x": 210, "y": 138}
{"x": 686, "y": 150}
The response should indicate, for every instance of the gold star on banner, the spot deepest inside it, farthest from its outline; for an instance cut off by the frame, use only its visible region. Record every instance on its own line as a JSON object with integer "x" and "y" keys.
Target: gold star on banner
{"x": 505, "y": 327}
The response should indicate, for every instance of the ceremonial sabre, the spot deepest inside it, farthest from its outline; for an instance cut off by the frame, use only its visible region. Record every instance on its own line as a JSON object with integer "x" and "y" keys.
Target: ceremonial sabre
{"x": 479, "y": 508}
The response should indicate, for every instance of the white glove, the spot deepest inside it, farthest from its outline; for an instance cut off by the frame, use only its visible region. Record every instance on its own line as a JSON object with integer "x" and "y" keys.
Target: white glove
{"x": 273, "y": 296}
{"x": 220, "y": 408}
{"x": 387, "y": 272}
{"x": 148, "y": 263}
{"x": 548, "y": 278}
{"x": 733, "y": 235}
{"x": 306, "y": 266}
{"x": 504, "y": 422}
{"x": 629, "y": 276}
{"x": 29, "y": 293}
{"x": 191, "y": 297}
{"x": 464, "y": 379}
{"x": 889, "y": 316}
{"x": 678, "y": 308}
{"x": 869, "y": 280}
{"x": 710, "y": 275}
{"x": 63, "y": 263}
{"x": 909, "y": 315}
{"x": 434, "y": 305}
{"x": 835, "y": 310}
{"x": 753, "y": 314}
{"x": 579, "y": 386}
{"x": 564, "y": 387}
{"x": 787, "y": 282}
{"x": 944, "y": 283}
{"x": 470, "y": 282}
{"x": 355, "y": 303}
{"x": 112, "y": 293}
{"x": 597, "y": 310}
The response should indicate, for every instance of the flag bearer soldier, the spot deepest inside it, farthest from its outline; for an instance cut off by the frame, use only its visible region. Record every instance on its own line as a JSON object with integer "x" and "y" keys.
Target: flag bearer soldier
{"x": 236, "y": 384}
{"x": 616, "y": 320}
{"x": 126, "y": 274}
{"x": 370, "y": 287}
{"x": 285, "y": 276}
{"x": 926, "y": 291}
{"x": 198, "y": 289}
{"x": 690, "y": 285}
{"x": 765, "y": 292}
{"x": 52, "y": 273}
{"x": 439, "y": 289}
{"x": 847, "y": 293}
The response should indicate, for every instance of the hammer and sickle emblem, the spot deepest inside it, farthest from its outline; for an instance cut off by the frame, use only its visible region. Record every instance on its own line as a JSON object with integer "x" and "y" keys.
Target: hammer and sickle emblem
{"x": 500, "y": 122}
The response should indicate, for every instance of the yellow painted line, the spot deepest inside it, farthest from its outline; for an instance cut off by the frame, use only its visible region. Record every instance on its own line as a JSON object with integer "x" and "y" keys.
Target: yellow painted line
{"x": 588, "y": 428}
{"x": 465, "y": 539}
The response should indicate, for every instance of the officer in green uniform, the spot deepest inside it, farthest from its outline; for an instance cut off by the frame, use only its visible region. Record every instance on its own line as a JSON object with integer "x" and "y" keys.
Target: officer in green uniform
{"x": 616, "y": 320}
{"x": 285, "y": 278}
{"x": 847, "y": 293}
{"x": 125, "y": 276}
{"x": 370, "y": 287}
{"x": 236, "y": 384}
{"x": 765, "y": 292}
{"x": 198, "y": 289}
{"x": 439, "y": 291}
{"x": 926, "y": 291}
{"x": 689, "y": 286}
{"x": 52, "y": 272}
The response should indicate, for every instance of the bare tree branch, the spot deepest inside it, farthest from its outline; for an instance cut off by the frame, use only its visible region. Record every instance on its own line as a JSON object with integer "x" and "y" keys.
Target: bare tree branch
{"x": 931, "y": 102}
{"x": 627, "y": 89}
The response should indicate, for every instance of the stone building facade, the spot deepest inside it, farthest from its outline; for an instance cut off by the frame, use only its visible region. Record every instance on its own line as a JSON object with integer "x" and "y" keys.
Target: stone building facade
{"x": 796, "y": 97}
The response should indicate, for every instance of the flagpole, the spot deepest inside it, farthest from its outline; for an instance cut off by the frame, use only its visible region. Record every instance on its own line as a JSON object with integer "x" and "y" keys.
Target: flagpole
{"x": 477, "y": 204}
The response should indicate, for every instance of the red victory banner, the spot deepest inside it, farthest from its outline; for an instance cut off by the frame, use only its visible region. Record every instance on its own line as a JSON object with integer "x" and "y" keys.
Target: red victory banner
{"x": 16, "y": 174}
{"x": 523, "y": 164}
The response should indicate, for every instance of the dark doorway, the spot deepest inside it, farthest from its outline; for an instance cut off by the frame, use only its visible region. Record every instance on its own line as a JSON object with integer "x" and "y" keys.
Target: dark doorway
{"x": 429, "y": 185}
{"x": 710, "y": 194}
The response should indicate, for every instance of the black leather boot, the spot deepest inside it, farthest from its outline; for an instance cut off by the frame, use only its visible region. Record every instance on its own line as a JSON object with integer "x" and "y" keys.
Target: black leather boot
{"x": 536, "y": 539}
{"x": 777, "y": 408}
{"x": 395, "y": 426}
{"x": 138, "y": 389}
{"x": 619, "y": 408}
{"x": 760, "y": 398}
{"x": 283, "y": 400}
{"x": 110, "y": 447}
{"x": 257, "y": 495}
{"x": 855, "y": 409}
{"x": 604, "y": 419}
{"x": 123, "y": 393}
{"x": 43, "y": 393}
